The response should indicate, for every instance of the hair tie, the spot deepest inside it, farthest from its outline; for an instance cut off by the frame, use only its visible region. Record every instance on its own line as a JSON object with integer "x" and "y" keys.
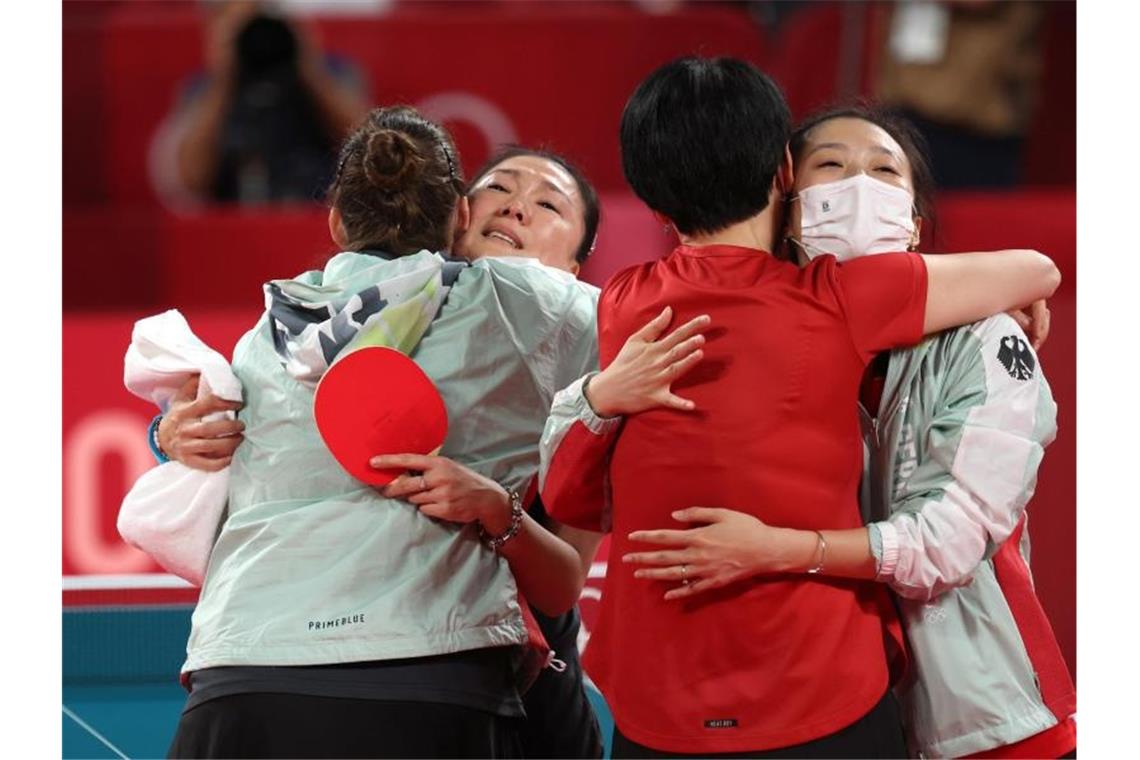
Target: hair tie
{"x": 450, "y": 163}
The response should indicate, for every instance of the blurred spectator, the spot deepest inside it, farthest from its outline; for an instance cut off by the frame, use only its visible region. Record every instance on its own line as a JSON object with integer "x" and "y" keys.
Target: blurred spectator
{"x": 262, "y": 124}
{"x": 659, "y": 7}
{"x": 770, "y": 15}
{"x": 331, "y": 7}
{"x": 967, "y": 73}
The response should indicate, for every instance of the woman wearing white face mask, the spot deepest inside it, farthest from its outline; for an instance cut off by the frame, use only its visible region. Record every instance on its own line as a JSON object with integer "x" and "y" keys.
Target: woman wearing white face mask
{"x": 854, "y": 216}
{"x": 957, "y": 427}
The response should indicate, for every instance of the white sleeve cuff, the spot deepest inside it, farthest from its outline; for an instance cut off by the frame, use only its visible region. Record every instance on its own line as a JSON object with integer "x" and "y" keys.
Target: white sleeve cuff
{"x": 888, "y": 557}
{"x": 574, "y": 397}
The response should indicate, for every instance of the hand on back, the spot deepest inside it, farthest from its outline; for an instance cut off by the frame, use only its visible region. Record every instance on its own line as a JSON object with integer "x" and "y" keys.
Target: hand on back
{"x": 642, "y": 375}
{"x": 716, "y": 548}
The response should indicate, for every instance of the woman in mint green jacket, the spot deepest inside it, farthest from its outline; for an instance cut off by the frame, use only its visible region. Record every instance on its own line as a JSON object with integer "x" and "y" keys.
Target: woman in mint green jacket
{"x": 335, "y": 621}
{"x": 523, "y": 203}
{"x": 957, "y": 428}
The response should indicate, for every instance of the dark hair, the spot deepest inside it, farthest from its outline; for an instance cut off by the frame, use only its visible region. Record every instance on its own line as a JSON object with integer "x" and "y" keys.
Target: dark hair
{"x": 397, "y": 182}
{"x": 902, "y": 131}
{"x": 592, "y": 212}
{"x": 701, "y": 140}
{"x": 264, "y": 46}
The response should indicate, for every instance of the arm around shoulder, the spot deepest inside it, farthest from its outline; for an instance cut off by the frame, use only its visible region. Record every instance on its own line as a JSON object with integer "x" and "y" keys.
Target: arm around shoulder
{"x": 965, "y": 287}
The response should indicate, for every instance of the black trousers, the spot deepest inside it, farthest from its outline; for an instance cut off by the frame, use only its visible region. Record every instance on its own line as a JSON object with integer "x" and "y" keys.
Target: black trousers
{"x": 560, "y": 722}
{"x": 878, "y": 734}
{"x": 295, "y": 725}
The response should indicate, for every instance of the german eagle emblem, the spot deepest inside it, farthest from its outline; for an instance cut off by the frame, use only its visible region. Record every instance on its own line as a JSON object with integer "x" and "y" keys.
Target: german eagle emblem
{"x": 1015, "y": 356}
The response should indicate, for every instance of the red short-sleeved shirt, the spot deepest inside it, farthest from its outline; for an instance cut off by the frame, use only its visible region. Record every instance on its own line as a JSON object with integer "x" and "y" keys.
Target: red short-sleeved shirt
{"x": 777, "y": 660}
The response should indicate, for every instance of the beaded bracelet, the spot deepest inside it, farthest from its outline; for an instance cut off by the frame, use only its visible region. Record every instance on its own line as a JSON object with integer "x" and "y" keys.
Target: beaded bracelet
{"x": 496, "y": 542}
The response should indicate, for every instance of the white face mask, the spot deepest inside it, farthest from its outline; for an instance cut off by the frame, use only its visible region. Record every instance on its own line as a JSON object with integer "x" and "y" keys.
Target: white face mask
{"x": 855, "y": 217}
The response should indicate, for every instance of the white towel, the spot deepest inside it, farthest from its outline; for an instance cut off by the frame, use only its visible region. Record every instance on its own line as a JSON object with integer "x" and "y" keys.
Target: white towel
{"x": 172, "y": 512}
{"x": 164, "y": 353}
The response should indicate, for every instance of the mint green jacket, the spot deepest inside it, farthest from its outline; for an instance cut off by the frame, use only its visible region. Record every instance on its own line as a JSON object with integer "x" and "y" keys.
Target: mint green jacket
{"x": 960, "y": 432}
{"x": 313, "y": 567}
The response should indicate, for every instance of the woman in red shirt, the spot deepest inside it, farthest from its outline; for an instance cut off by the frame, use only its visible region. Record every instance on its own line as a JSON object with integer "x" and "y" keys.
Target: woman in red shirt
{"x": 790, "y": 664}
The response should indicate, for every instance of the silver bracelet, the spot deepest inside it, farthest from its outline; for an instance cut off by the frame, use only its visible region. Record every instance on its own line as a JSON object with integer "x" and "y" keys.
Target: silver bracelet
{"x": 822, "y": 555}
{"x": 496, "y": 542}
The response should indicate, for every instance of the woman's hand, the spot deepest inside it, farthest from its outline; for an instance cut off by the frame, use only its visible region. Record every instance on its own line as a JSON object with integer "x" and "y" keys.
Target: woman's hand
{"x": 641, "y": 375}
{"x": 186, "y": 438}
{"x": 728, "y": 547}
{"x": 447, "y": 490}
{"x": 1035, "y": 323}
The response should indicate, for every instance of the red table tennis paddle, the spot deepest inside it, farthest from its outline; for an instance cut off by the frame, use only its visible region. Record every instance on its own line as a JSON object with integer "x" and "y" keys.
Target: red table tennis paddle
{"x": 378, "y": 401}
